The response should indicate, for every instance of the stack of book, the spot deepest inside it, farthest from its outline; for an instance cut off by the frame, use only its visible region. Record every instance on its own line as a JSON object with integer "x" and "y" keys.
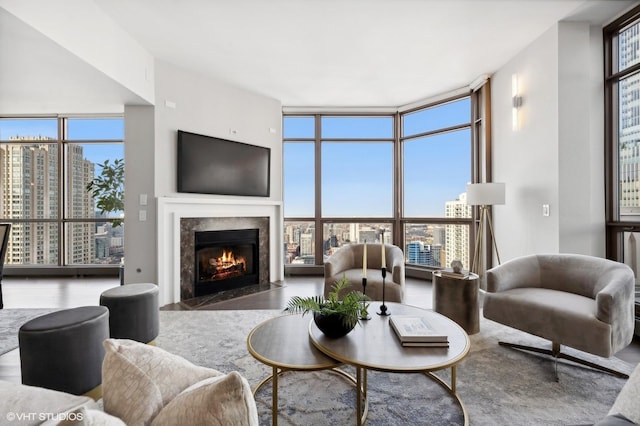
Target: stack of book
{"x": 448, "y": 273}
{"x": 417, "y": 331}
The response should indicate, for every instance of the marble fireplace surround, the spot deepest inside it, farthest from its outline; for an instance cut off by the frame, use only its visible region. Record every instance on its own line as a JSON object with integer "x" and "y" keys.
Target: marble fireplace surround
{"x": 171, "y": 211}
{"x": 188, "y": 228}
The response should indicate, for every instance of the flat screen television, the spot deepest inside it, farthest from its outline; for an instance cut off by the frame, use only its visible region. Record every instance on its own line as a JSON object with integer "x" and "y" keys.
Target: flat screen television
{"x": 209, "y": 165}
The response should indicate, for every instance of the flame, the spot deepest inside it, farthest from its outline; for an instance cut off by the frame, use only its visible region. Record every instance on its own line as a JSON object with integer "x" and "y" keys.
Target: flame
{"x": 228, "y": 259}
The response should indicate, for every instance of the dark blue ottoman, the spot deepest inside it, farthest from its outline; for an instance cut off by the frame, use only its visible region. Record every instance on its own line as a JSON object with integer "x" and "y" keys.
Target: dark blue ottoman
{"x": 133, "y": 311}
{"x": 63, "y": 350}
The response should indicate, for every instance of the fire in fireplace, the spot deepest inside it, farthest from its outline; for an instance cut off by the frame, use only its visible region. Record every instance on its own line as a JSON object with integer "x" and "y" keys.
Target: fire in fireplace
{"x": 225, "y": 260}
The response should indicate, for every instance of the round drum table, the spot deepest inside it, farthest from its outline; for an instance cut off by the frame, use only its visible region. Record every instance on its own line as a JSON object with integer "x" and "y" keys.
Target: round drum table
{"x": 457, "y": 298}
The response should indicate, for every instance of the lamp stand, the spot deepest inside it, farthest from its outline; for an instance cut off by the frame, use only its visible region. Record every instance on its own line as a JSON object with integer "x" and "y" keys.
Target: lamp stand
{"x": 485, "y": 217}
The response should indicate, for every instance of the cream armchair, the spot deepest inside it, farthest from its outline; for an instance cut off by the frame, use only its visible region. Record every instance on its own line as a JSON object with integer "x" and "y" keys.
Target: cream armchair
{"x": 347, "y": 261}
{"x": 580, "y": 301}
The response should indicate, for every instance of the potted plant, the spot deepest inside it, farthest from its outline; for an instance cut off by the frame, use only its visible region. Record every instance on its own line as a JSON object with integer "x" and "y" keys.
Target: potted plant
{"x": 334, "y": 317}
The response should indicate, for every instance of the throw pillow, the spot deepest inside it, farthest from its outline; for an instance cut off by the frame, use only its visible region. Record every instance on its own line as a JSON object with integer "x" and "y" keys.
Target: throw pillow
{"x": 85, "y": 417}
{"x": 32, "y": 405}
{"x": 138, "y": 379}
{"x": 615, "y": 420}
{"x": 223, "y": 400}
{"x": 627, "y": 400}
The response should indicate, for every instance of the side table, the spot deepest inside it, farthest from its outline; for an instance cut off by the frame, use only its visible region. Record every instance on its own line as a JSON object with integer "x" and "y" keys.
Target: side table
{"x": 457, "y": 298}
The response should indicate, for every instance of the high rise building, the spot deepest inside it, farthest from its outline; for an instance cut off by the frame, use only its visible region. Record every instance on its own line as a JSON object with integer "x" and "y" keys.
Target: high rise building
{"x": 29, "y": 190}
{"x": 422, "y": 254}
{"x": 629, "y": 124}
{"x": 457, "y": 236}
{"x": 81, "y": 236}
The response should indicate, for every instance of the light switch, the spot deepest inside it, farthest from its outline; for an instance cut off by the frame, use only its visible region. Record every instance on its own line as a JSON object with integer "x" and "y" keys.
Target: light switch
{"x": 545, "y": 210}
{"x": 143, "y": 199}
{"x": 142, "y": 215}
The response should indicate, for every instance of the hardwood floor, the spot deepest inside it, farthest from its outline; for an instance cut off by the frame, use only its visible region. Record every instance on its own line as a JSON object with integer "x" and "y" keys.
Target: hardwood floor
{"x": 56, "y": 292}
{"x": 72, "y": 292}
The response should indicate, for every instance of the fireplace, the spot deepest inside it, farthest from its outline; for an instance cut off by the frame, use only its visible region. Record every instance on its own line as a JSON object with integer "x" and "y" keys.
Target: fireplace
{"x": 215, "y": 236}
{"x": 225, "y": 260}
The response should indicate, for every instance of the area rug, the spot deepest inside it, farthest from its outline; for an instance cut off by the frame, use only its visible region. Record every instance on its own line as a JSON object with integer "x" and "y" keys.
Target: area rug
{"x": 10, "y": 322}
{"x": 498, "y": 385}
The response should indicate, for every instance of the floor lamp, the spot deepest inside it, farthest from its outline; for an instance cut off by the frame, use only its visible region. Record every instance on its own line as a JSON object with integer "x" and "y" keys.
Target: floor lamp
{"x": 484, "y": 195}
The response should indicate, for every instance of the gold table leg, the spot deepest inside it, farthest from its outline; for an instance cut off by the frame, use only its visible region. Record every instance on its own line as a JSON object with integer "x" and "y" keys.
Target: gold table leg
{"x": 360, "y": 383}
{"x": 274, "y": 397}
{"x": 361, "y": 396}
{"x": 453, "y": 378}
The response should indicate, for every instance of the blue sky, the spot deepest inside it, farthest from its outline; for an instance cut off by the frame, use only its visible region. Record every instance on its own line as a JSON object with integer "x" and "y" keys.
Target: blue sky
{"x": 79, "y": 129}
{"x": 357, "y": 178}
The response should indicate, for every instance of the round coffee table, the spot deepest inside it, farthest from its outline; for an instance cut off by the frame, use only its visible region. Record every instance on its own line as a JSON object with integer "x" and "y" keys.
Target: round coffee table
{"x": 283, "y": 344}
{"x": 373, "y": 345}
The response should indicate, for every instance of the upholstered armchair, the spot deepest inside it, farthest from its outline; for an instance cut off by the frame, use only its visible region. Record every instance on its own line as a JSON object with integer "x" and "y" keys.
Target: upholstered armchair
{"x": 347, "y": 261}
{"x": 583, "y": 302}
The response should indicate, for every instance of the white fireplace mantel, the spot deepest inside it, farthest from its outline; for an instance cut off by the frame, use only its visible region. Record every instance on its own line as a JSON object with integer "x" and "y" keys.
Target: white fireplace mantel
{"x": 172, "y": 209}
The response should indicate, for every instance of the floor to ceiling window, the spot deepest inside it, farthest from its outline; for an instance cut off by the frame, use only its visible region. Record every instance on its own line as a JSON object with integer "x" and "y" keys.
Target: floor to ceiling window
{"x": 436, "y": 152}
{"x": 622, "y": 138}
{"x": 46, "y": 167}
{"x": 398, "y": 178}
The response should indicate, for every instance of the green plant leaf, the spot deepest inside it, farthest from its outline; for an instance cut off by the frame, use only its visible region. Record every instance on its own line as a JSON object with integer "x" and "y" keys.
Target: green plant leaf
{"x": 352, "y": 307}
{"x": 108, "y": 188}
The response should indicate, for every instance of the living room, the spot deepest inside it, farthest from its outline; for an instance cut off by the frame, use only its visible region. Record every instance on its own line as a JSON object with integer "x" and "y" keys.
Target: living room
{"x": 555, "y": 158}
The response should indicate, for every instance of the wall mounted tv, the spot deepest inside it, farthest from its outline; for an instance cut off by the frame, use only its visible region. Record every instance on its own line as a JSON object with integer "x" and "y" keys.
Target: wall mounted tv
{"x": 209, "y": 165}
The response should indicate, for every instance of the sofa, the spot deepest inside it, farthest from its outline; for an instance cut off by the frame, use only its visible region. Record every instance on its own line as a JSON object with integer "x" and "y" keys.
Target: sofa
{"x": 347, "y": 261}
{"x": 28, "y": 405}
{"x": 142, "y": 385}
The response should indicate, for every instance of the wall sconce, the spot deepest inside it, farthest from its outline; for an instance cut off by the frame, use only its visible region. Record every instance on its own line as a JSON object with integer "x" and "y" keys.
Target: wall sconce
{"x": 516, "y": 103}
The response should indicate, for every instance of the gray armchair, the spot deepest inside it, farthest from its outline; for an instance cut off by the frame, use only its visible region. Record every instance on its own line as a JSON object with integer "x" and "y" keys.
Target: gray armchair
{"x": 583, "y": 302}
{"x": 347, "y": 261}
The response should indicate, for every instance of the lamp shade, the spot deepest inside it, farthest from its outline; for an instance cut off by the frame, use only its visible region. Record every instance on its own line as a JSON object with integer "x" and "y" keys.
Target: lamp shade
{"x": 485, "y": 194}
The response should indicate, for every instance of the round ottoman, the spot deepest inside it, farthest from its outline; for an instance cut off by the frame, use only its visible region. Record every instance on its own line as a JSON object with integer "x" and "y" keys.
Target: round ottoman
{"x": 133, "y": 311}
{"x": 63, "y": 350}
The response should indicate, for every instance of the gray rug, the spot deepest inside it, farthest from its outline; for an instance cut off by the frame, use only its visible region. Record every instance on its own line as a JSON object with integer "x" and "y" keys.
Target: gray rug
{"x": 10, "y": 322}
{"x": 499, "y": 386}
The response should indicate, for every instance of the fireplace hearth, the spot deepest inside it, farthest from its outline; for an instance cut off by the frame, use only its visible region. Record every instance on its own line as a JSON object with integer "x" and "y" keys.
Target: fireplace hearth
{"x": 225, "y": 260}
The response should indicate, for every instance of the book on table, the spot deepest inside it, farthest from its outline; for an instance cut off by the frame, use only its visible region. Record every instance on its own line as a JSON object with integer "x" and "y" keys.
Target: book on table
{"x": 448, "y": 273}
{"x": 412, "y": 330}
{"x": 425, "y": 344}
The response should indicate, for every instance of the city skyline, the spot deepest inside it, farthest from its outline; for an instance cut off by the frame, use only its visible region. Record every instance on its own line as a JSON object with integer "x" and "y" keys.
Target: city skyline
{"x": 432, "y": 245}
{"x": 30, "y": 189}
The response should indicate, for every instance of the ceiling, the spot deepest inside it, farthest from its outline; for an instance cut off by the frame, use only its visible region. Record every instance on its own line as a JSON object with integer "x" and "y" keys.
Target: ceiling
{"x": 311, "y": 53}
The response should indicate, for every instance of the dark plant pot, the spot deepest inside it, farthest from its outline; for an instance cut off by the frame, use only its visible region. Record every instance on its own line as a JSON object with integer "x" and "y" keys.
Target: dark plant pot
{"x": 331, "y": 325}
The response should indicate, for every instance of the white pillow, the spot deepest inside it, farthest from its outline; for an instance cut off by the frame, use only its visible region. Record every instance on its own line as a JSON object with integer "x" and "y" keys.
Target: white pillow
{"x": 85, "y": 417}
{"x": 138, "y": 380}
{"x": 223, "y": 400}
{"x": 36, "y": 405}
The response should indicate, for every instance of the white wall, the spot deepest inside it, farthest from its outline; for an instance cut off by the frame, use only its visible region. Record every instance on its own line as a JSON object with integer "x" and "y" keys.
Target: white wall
{"x": 581, "y": 139}
{"x": 556, "y": 157}
{"x": 202, "y": 105}
{"x": 82, "y": 28}
{"x": 140, "y": 236}
{"x": 199, "y": 105}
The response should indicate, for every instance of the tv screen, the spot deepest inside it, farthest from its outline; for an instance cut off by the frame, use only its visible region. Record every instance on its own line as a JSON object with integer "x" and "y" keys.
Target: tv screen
{"x": 209, "y": 165}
